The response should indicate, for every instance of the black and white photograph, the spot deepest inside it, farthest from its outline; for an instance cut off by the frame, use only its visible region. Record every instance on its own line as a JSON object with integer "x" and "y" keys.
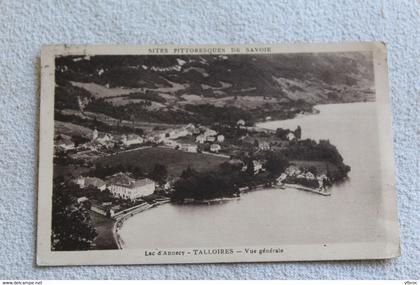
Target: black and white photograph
{"x": 192, "y": 154}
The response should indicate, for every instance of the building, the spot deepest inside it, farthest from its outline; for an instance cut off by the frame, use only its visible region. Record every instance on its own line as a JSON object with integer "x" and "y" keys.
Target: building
{"x": 104, "y": 209}
{"x": 190, "y": 128}
{"x": 321, "y": 180}
{"x": 132, "y": 139}
{"x": 156, "y": 139}
{"x": 220, "y": 138}
{"x": 309, "y": 175}
{"x": 94, "y": 134}
{"x": 210, "y": 139}
{"x": 99, "y": 209}
{"x": 95, "y": 182}
{"x": 210, "y": 133}
{"x": 170, "y": 143}
{"x": 264, "y": 145}
{"x": 200, "y": 139}
{"x": 290, "y": 136}
{"x": 82, "y": 199}
{"x": 104, "y": 140}
{"x": 241, "y": 123}
{"x": 64, "y": 143}
{"x": 188, "y": 147}
{"x": 123, "y": 186}
{"x": 281, "y": 178}
{"x": 292, "y": 170}
{"x": 258, "y": 167}
{"x": 167, "y": 186}
{"x": 80, "y": 181}
{"x": 84, "y": 182}
{"x": 215, "y": 147}
{"x": 174, "y": 134}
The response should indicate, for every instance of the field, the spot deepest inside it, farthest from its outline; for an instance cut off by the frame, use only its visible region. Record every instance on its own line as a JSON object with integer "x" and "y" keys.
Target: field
{"x": 70, "y": 129}
{"x": 175, "y": 160}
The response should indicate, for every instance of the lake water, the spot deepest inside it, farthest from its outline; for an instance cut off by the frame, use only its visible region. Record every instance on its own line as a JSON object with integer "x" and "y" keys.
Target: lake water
{"x": 270, "y": 217}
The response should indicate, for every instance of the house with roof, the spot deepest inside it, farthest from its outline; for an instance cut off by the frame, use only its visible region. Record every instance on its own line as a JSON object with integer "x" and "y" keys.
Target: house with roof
{"x": 321, "y": 180}
{"x": 178, "y": 133}
{"x": 132, "y": 139}
{"x": 82, "y": 199}
{"x": 258, "y": 167}
{"x": 123, "y": 186}
{"x": 281, "y": 178}
{"x": 65, "y": 143}
{"x": 95, "y": 134}
{"x": 210, "y": 133}
{"x": 188, "y": 147}
{"x": 95, "y": 182}
{"x": 104, "y": 209}
{"x": 309, "y": 175}
{"x": 264, "y": 145}
{"x": 84, "y": 182}
{"x": 210, "y": 139}
{"x": 215, "y": 147}
{"x": 220, "y": 138}
{"x": 290, "y": 136}
{"x": 200, "y": 139}
{"x": 104, "y": 139}
{"x": 190, "y": 128}
{"x": 292, "y": 170}
{"x": 240, "y": 123}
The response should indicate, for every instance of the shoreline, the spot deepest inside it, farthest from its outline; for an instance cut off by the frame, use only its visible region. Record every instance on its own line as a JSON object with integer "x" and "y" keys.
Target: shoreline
{"x": 326, "y": 192}
{"x": 315, "y": 111}
{"x": 119, "y": 221}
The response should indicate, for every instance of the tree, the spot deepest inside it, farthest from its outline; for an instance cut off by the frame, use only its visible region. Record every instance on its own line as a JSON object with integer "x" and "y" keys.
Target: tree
{"x": 137, "y": 172}
{"x": 313, "y": 170}
{"x": 188, "y": 172}
{"x": 71, "y": 225}
{"x": 159, "y": 173}
{"x": 250, "y": 170}
{"x": 256, "y": 143}
{"x": 276, "y": 164}
{"x": 282, "y": 133}
{"x": 201, "y": 186}
{"x": 298, "y": 133}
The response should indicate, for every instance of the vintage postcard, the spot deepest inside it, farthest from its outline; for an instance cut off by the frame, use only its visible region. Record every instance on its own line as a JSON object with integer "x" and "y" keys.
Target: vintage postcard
{"x": 214, "y": 154}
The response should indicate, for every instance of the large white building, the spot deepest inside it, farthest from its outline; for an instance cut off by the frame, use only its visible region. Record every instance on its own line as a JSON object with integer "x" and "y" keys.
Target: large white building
{"x": 84, "y": 182}
{"x": 123, "y": 186}
{"x": 132, "y": 139}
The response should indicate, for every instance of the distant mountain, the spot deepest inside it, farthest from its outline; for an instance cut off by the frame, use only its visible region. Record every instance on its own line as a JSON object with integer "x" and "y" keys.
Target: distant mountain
{"x": 202, "y": 88}
{"x": 314, "y": 78}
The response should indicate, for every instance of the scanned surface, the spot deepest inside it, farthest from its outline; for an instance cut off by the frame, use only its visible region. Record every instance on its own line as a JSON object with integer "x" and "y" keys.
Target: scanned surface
{"x": 191, "y": 154}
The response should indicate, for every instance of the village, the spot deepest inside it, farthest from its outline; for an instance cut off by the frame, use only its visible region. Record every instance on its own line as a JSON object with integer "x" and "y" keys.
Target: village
{"x": 121, "y": 193}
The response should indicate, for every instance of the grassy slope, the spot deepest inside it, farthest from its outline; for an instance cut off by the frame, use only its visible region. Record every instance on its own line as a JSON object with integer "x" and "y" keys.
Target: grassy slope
{"x": 175, "y": 160}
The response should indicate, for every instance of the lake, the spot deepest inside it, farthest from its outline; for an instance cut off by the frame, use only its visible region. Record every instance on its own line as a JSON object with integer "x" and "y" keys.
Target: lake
{"x": 275, "y": 217}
